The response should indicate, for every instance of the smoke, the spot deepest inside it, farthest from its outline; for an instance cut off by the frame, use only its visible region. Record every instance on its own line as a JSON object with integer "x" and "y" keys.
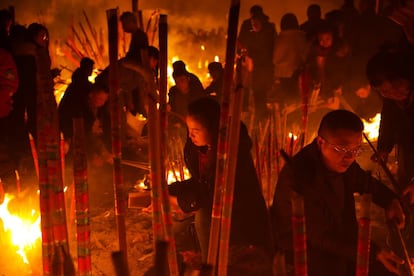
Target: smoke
{"x": 189, "y": 23}
{"x": 57, "y": 14}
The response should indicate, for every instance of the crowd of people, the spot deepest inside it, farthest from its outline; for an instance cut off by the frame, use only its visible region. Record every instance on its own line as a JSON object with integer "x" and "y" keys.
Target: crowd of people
{"x": 368, "y": 71}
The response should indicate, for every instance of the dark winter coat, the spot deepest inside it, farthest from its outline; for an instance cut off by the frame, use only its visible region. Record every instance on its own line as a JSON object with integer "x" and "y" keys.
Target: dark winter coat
{"x": 331, "y": 223}
{"x": 74, "y": 101}
{"x": 397, "y": 128}
{"x": 249, "y": 217}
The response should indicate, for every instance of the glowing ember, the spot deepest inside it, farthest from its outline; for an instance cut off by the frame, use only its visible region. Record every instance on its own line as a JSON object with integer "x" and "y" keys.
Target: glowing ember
{"x": 24, "y": 232}
{"x": 371, "y": 127}
{"x": 94, "y": 74}
{"x": 291, "y": 135}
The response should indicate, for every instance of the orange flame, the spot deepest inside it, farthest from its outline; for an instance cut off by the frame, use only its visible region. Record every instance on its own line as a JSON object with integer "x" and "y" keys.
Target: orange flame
{"x": 24, "y": 232}
{"x": 371, "y": 127}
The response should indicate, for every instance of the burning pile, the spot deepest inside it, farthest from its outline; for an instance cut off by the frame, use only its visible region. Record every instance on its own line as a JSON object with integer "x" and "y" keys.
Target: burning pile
{"x": 23, "y": 230}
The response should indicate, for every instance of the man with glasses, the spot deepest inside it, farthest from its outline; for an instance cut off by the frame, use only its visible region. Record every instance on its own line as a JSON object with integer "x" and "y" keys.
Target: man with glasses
{"x": 326, "y": 174}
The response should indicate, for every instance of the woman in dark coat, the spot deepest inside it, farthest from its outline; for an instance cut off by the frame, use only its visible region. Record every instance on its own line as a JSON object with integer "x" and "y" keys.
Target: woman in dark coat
{"x": 249, "y": 225}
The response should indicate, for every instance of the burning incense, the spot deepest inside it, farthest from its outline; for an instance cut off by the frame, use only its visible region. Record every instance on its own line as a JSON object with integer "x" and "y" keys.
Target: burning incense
{"x": 291, "y": 144}
{"x": 305, "y": 80}
{"x": 34, "y": 154}
{"x": 18, "y": 186}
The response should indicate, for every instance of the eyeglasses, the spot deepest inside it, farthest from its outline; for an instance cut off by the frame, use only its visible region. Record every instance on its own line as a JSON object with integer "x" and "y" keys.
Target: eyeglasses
{"x": 344, "y": 151}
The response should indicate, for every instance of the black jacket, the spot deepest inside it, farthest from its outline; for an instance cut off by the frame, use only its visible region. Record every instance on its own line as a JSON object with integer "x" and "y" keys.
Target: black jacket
{"x": 331, "y": 223}
{"x": 249, "y": 217}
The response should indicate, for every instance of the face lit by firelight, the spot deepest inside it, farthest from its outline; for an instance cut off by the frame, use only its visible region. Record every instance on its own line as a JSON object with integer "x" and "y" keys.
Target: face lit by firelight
{"x": 197, "y": 132}
{"x": 325, "y": 39}
{"x": 339, "y": 149}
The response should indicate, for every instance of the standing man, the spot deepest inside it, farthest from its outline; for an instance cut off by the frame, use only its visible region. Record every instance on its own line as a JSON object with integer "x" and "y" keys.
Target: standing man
{"x": 391, "y": 74}
{"x": 257, "y": 36}
{"x": 326, "y": 174}
{"x": 139, "y": 39}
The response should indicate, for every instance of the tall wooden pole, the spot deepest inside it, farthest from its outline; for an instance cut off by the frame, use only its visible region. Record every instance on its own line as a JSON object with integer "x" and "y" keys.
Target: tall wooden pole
{"x": 80, "y": 176}
{"x": 44, "y": 196}
{"x": 163, "y": 45}
{"x": 52, "y": 203}
{"x": 161, "y": 217}
{"x": 120, "y": 199}
{"x": 220, "y": 178}
{"x": 234, "y": 135}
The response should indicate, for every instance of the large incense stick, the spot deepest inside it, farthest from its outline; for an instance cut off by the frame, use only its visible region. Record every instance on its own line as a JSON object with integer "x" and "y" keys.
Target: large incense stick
{"x": 304, "y": 81}
{"x": 299, "y": 234}
{"x": 159, "y": 196}
{"x": 231, "y": 176}
{"x": 34, "y": 154}
{"x": 364, "y": 235}
{"x": 298, "y": 228}
{"x": 167, "y": 218}
{"x": 120, "y": 200}
{"x": 221, "y": 164}
{"x": 80, "y": 176}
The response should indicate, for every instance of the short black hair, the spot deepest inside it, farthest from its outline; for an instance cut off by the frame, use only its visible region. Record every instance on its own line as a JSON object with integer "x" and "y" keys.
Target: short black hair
{"x": 289, "y": 21}
{"x": 180, "y": 73}
{"x": 179, "y": 65}
{"x": 86, "y": 62}
{"x": 35, "y": 28}
{"x": 206, "y": 111}
{"x": 340, "y": 119}
{"x": 388, "y": 65}
{"x": 255, "y": 9}
{"x": 128, "y": 16}
{"x": 314, "y": 11}
{"x": 153, "y": 52}
{"x": 5, "y": 15}
{"x": 215, "y": 66}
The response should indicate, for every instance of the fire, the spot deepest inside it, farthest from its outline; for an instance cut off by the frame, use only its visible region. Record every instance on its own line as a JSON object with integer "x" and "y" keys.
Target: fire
{"x": 292, "y": 136}
{"x": 371, "y": 126}
{"x": 24, "y": 232}
{"x": 95, "y": 73}
{"x": 173, "y": 176}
